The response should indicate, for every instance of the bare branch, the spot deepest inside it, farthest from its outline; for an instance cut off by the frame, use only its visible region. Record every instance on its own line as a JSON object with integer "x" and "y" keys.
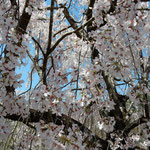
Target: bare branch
{"x": 38, "y": 45}
{"x": 71, "y": 21}
{"x": 69, "y": 33}
{"x": 49, "y": 42}
{"x": 24, "y": 20}
{"x": 49, "y": 8}
{"x": 61, "y": 31}
{"x": 50, "y": 26}
{"x": 36, "y": 65}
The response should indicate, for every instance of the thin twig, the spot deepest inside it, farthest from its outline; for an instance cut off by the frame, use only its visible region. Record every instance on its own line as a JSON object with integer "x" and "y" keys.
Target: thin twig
{"x": 78, "y": 74}
{"x": 133, "y": 60}
{"x": 30, "y": 84}
{"x": 61, "y": 30}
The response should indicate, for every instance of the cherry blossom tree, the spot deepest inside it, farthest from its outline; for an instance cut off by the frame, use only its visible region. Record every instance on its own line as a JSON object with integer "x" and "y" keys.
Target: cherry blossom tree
{"x": 92, "y": 58}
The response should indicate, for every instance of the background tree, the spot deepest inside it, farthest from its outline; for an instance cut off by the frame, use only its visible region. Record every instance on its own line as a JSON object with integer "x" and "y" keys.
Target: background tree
{"x": 92, "y": 60}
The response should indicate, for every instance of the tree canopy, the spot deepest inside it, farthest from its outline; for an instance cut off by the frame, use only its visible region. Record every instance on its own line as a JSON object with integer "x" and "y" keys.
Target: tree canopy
{"x": 88, "y": 84}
